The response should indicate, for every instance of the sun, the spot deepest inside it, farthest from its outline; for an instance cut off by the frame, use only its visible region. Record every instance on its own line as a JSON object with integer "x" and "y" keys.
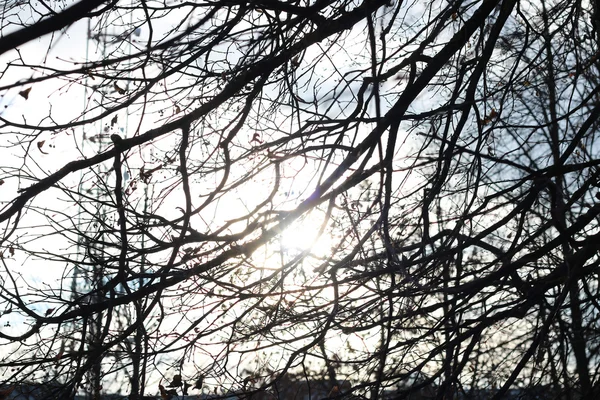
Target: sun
{"x": 306, "y": 236}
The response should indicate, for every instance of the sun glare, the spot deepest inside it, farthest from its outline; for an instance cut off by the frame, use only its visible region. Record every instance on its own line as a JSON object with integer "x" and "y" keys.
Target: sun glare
{"x": 305, "y": 236}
